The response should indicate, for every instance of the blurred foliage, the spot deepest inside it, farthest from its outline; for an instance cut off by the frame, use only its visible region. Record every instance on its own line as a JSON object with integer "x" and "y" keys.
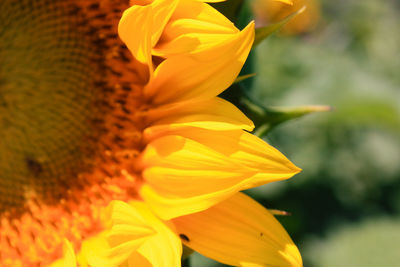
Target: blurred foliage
{"x": 371, "y": 243}
{"x": 268, "y": 12}
{"x": 263, "y": 32}
{"x": 350, "y": 156}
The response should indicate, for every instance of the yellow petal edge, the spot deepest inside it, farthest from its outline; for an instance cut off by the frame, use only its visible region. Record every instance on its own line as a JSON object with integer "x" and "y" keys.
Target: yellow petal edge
{"x": 239, "y": 232}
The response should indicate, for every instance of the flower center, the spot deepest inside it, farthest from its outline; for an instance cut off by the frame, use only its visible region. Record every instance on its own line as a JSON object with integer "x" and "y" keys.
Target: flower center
{"x": 69, "y": 130}
{"x": 49, "y": 68}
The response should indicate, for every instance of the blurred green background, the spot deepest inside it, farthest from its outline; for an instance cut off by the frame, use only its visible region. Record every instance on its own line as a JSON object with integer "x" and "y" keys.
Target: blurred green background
{"x": 345, "y": 205}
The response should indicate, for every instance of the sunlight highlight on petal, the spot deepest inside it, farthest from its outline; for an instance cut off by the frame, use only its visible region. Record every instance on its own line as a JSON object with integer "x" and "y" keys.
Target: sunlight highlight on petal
{"x": 203, "y": 76}
{"x": 135, "y": 22}
{"x": 213, "y": 114}
{"x": 186, "y": 175}
{"x": 137, "y": 233}
{"x": 239, "y": 232}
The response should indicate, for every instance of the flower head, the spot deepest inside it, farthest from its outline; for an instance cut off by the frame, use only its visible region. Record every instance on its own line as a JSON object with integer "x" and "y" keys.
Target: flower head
{"x": 165, "y": 152}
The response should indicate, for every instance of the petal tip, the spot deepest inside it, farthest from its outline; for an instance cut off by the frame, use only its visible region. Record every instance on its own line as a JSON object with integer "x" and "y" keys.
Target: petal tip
{"x": 292, "y": 256}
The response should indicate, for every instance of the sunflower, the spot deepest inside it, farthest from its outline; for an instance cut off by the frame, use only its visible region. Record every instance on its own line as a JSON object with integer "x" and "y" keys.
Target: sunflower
{"x": 123, "y": 147}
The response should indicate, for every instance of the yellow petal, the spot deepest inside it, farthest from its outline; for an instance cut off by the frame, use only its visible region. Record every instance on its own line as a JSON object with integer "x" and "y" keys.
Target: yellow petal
{"x": 215, "y": 113}
{"x": 98, "y": 252}
{"x": 162, "y": 11}
{"x": 163, "y": 250}
{"x": 185, "y": 175}
{"x": 186, "y": 77}
{"x": 239, "y": 232}
{"x": 182, "y": 26}
{"x": 136, "y": 260}
{"x": 120, "y": 254}
{"x": 69, "y": 258}
{"x": 246, "y": 151}
{"x": 289, "y": 2}
{"x": 139, "y": 238}
{"x": 141, "y": 2}
{"x": 194, "y": 32}
{"x": 212, "y": 1}
{"x": 189, "y": 9}
{"x": 194, "y": 27}
{"x": 137, "y": 21}
{"x": 93, "y": 251}
{"x": 180, "y": 39}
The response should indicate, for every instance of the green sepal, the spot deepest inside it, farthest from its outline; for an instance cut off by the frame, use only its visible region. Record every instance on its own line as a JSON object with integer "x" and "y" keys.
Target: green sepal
{"x": 279, "y": 212}
{"x": 244, "y": 77}
{"x": 263, "y": 32}
{"x": 266, "y": 118}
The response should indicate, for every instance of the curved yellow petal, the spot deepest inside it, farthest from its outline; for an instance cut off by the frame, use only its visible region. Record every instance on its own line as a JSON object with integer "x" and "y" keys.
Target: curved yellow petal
{"x": 189, "y": 9}
{"x": 214, "y": 114}
{"x": 162, "y": 12}
{"x": 194, "y": 26}
{"x": 192, "y": 33}
{"x": 138, "y": 238}
{"x": 93, "y": 251}
{"x": 248, "y": 150}
{"x": 137, "y": 21}
{"x": 137, "y": 260}
{"x": 184, "y": 175}
{"x": 186, "y": 77}
{"x": 69, "y": 258}
{"x": 201, "y": 36}
{"x": 239, "y": 232}
{"x": 289, "y": 2}
{"x": 172, "y": 206}
{"x": 226, "y": 148}
{"x": 106, "y": 250}
{"x": 212, "y": 1}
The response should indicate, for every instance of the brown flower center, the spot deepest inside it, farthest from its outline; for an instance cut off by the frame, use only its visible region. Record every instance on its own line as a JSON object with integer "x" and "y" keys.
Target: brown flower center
{"x": 49, "y": 69}
{"x": 69, "y": 130}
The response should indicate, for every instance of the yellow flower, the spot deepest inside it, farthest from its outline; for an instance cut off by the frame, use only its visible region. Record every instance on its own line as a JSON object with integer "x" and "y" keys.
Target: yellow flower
{"x": 197, "y": 156}
{"x": 95, "y": 125}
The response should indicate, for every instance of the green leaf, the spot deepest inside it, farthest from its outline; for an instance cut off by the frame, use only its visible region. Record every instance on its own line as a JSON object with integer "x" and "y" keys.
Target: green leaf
{"x": 263, "y": 32}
